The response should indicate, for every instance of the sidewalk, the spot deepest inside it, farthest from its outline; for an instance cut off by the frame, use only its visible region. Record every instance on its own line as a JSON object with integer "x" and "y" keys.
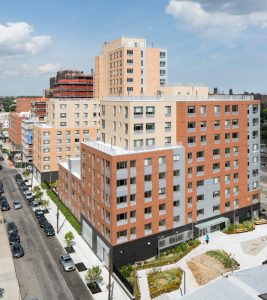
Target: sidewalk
{"x": 83, "y": 252}
{"x": 8, "y": 278}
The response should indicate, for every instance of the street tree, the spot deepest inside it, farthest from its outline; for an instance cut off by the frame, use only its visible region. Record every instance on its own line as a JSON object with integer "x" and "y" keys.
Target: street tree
{"x": 93, "y": 276}
{"x": 69, "y": 238}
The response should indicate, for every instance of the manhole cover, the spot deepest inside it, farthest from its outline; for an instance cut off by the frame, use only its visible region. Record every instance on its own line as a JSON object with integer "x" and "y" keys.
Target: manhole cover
{"x": 81, "y": 267}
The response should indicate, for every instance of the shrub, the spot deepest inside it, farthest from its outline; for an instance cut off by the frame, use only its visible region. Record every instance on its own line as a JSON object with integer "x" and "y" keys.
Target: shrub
{"x": 249, "y": 225}
{"x": 44, "y": 185}
{"x": 224, "y": 258}
{"x": 69, "y": 237}
{"x": 164, "y": 281}
{"x": 93, "y": 275}
{"x": 73, "y": 221}
{"x": 126, "y": 271}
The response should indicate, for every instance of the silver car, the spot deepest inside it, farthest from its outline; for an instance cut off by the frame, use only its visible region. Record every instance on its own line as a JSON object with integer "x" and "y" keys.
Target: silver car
{"x": 67, "y": 263}
{"x": 17, "y": 204}
{"x": 35, "y": 206}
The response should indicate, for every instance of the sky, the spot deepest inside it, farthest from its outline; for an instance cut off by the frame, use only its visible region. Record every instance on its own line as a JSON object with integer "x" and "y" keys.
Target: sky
{"x": 218, "y": 43}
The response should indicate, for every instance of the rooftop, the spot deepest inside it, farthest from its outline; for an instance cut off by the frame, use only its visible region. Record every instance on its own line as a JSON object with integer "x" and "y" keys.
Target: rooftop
{"x": 183, "y": 98}
{"x": 114, "y": 150}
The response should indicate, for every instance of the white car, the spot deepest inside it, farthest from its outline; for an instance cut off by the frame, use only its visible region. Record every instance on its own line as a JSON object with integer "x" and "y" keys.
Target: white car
{"x": 17, "y": 204}
{"x": 35, "y": 206}
{"x": 28, "y": 195}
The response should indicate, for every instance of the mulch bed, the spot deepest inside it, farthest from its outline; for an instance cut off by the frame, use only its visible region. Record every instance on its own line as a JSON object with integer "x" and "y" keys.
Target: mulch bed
{"x": 94, "y": 288}
{"x": 81, "y": 267}
{"x": 70, "y": 249}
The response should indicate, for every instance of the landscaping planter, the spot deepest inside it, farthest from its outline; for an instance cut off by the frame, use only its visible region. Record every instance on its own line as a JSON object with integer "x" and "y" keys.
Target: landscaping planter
{"x": 69, "y": 249}
{"x": 94, "y": 288}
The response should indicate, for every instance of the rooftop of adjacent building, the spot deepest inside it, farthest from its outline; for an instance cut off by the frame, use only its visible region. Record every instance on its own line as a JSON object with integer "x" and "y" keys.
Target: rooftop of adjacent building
{"x": 73, "y": 165}
{"x": 115, "y": 150}
{"x": 181, "y": 98}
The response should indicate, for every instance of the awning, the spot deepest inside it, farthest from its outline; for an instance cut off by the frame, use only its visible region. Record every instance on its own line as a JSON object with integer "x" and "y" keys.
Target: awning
{"x": 212, "y": 223}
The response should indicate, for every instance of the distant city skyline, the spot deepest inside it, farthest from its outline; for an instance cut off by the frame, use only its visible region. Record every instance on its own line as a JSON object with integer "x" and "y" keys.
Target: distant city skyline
{"x": 218, "y": 43}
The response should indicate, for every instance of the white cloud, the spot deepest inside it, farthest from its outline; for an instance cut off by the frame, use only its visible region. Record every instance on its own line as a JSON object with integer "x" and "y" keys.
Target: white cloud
{"x": 17, "y": 39}
{"x": 218, "y": 19}
{"x": 27, "y": 70}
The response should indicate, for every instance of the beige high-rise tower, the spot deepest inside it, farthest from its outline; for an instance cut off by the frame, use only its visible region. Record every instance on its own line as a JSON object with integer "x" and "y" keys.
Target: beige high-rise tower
{"x": 126, "y": 67}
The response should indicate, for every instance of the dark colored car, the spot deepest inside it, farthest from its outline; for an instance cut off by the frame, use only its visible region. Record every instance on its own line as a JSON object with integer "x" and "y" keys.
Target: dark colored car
{"x": 5, "y": 206}
{"x": 264, "y": 262}
{"x": 1, "y": 184}
{"x": 30, "y": 200}
{"x": 24, "y": 188}
{"x": 39, "y": 213}
{"x": 11, "y": 227}
{"x": 2, "y": 158}
{"x": 2, "y": 199}
{"x": 2, "y": 190}
{"x": 42, "y": 221}
{"x": 48, "y": 229}
{"x": 17, "y": 250}
{"x": 18, "y": 177}
{"x": 13, "y": 238}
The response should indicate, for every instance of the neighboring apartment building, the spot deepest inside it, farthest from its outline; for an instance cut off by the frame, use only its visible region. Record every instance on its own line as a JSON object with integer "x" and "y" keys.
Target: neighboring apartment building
{"x": 25, "y": 108}
{"x": 69, "y": 122}
{"x": 4, "y": 120}
{"x": 167, "y": 168}
{"x": 127, "y": 67}
{"x": 70, "y": 84}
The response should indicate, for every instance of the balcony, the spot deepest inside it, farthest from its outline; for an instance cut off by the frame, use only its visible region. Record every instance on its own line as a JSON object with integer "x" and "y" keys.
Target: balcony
{"x": 216, "y": 170}
{"x": 122, "y": 222}
{"x": 132, "y": 220}
{"x": 122, "y": 239}
{"x": 148, "y": 231}
{"x": 163, "y": 227}
{"x": 162, "y": 212}
{"x": 216, "y": 156}
{"x": 201, "y": 173}
{"x": 191, "y": 129}
{"x": 200, "y": 159}
{"x": 191, "y": 144}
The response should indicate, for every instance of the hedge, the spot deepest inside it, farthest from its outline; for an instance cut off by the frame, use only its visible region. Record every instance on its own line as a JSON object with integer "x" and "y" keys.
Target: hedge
{"x": 65, "y": 211}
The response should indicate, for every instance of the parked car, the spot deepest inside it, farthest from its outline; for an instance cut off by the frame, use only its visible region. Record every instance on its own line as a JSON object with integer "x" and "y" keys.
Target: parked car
{"x": 13, "y": 237}
{"x": 17, "y": 250}
{"x": 24, "y": 188}
{"x": 39, "y": 213}
{"x": 17, "y": 204}
{"x": 48, "y": 229}
{"x": 2, "y": 190}
{"x": 67, "y": 263}
{"x": 5, "y": 206}
{"x": 2, "y": 199}
{"x": 11, "y": 227}
{"x": 42, "y": 221}
{"x": 2, "y": 158}
{"x": 18, "y": 177}
{"x": 264, "y": 262}
{"x": 35, "y": 206}
{"x": 1, "y": 183}
{"x": 28, "y": 194}
{"x": 30, "y": 200}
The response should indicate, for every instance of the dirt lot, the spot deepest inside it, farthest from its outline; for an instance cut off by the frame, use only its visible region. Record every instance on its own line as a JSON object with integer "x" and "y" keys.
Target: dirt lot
{"x": 206, "y": 268}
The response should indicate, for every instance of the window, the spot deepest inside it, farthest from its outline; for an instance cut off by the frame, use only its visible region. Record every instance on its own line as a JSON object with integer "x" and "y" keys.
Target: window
{"x": 236, "y": 149}
{"x": 162, "y": 160}
{"x": 121, "y": 182}
{"x": 191, "y": 110}
{"x": 168, "y": 110}
{"x": 217, "y": 109}
{"x": 235, "y": 122}
{"x": 150, "y": 142}
{"x": 176, "y": 173}
{"x": 235, "y": 135}
{"x": 62, "y": 124}
{"x": 148, "y": 210}
{"x": 191, "y": 125}
{"x": 167, "y": 126}
{"x": 77, "y": 106}
{"x": 63, "y": 115}
{"x": 216, "y": 152}
{"x": 162, "y": 191}
{"x": 138, "y": 143}
{"x": 130, "y": 71}
{"x": 203, "y": 110}
{"x": 227, "y": 137}
{"x": 191, "y": 140}
{"x": 227, "y": 151}
{"x": 216, "y": 207}
{"x": 133, "y": 180}
{"x": 227, "y": 178}
{"x": 203, "y": 125}
{"x": 176, "y": 157}
{"x": 129, "y": 88}
{"x": 200, "y": 154}
{"x": 129, "y": 52}
{"x": 200, "y": 168}
{"x": 150, "y": 126}
{"x": 216, "y": 166}
{"x": 148, "y": 194}
{"x": 217, "y": 138}
{"x": 227, "y": 109}
{"x": 162, "y": 207}
{"x": 150, "y": 110}
{"x": 200, "y": 197}
{"x": 138, "y": 111}
{"x": 121, "y": 165}
{"x": 227, "y": 123}
{"x": 63, "y": 106}
{"x": 200, "y": 212}
{"x": 236, "y": 176}
{"x": 148, "y": 177}
{"x": 138, "y": 127}
{"x": 216, "y": 194}
{"x": 236, "y": 163}
{"x": 129, "y": 61}
{"x": 235, "y": 109}
{"x": 203, "y": 139}
{"x": 122, "y": 200}
{"x": 227, "y": 165}
{"x": 236, "y": 190}
{"x": 189, "y": 155}
{"x": 122, "y": 234}
{"x": 176, "y": 188}
{"x": 255, "y": 147}
{"x": 148, "y": 226}
{"x": 162, "y": 175}
{"x": 148, "y": 161}
{"x": 200, "y": 183}
{"x": 162, "y": 223}
{"x": 216, "y": 180}
{"x": 162, "y": 54}
{"x": 168, "y": 140}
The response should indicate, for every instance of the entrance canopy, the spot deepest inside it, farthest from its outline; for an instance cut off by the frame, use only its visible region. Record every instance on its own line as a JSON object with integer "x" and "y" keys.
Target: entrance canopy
{"x": 211, "y": 223}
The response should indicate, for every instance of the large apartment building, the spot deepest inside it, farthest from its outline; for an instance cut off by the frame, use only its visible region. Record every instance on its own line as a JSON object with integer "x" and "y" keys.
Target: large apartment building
{"x": 166, "y": 168}
{"x": 127, "y": 67}
{"x": 70, "y": 121}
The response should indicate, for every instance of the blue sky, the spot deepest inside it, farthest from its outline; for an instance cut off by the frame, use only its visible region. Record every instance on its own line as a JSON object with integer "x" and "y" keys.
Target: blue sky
{"x": 218, "y": 43}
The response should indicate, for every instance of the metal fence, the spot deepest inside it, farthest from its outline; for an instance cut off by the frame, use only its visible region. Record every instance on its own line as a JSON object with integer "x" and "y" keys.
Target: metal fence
{"x": 125, "y": 282}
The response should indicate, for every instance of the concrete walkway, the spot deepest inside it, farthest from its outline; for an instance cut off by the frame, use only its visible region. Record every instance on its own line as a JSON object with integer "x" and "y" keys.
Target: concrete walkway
{"x": 235, "y": 244}
{"x": 8, "y": 278}
{"x": 83, "y": 252}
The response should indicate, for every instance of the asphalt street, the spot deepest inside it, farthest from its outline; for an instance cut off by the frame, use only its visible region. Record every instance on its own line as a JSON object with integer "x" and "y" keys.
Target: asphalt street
{"x": 39, "y": 272}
